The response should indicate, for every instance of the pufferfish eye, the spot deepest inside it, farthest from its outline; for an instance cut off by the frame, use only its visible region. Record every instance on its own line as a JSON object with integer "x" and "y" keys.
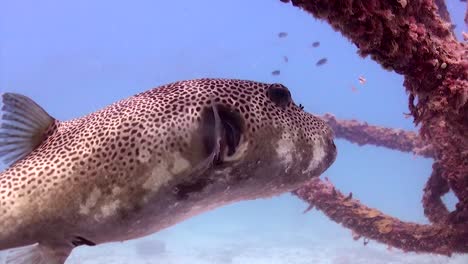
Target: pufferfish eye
{"x": 279, "y": 95}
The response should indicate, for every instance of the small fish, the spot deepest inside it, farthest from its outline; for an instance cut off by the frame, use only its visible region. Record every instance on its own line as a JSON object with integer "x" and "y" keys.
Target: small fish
{"x": 362, "y": 80}
{"x": 407, "y": 115}
{"x": 275, "y": 72}
{"x": 148, "y": 162}
{"x": 310, "y": 207}
{"x": 321, "y": 62}
{"x": 282, "y": 34}
{"x": 366, "y": 241}
{"x": 315, "y": 44}
{"x": 285, "y": 59}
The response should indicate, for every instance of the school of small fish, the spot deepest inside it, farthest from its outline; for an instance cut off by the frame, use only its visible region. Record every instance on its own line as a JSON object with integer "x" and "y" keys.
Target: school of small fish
{"x": 314, "y": 44}
{"x": 322, "y": 61}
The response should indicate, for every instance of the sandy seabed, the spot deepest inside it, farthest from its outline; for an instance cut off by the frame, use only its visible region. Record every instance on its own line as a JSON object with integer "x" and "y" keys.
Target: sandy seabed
{"x": 272, "y": 256}
{"x": 229, "y": 250}
{"x": 248, "y": 249}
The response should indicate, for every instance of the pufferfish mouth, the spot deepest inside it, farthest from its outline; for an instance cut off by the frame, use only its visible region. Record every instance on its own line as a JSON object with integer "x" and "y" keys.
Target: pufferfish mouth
{"x": 230, "y": 126}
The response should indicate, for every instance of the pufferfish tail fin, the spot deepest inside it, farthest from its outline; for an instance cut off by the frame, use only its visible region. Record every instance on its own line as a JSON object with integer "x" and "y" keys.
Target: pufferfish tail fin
{"x": 23, "y": 126}
{"x": 37, "y": 254}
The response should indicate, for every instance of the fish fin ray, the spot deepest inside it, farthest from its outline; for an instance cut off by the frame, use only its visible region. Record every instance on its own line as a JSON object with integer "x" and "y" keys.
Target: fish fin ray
{"x": 36, "y": 254}
{"x": 23, "y": 121}
{"x": 209, "y": 161}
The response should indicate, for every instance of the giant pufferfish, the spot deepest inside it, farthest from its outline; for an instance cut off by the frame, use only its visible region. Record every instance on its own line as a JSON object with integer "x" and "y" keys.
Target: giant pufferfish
{"x": 148, "y": 162}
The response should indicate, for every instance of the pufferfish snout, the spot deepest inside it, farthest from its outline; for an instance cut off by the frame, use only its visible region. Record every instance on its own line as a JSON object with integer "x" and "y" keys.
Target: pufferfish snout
{"x": 148, "y": 162}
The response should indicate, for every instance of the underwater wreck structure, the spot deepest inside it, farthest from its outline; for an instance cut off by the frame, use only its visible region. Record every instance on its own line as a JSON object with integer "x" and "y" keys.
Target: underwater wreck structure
{"x": 413, "y": 38}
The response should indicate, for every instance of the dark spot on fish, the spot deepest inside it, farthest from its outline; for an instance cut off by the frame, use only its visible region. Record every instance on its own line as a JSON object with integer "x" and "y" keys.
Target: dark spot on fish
{"x": 79, "y": 241}
{"x": 186, "y": 188}
{"x": 315, "y": 44}
{"x": 285, "y": 58}
{"x": 301, "y": 106}
{"x": 282, "y": 34}
{"x": 275, "y": 72}
{"x": 285, "y": 1}
{"x": 320, "y": 62}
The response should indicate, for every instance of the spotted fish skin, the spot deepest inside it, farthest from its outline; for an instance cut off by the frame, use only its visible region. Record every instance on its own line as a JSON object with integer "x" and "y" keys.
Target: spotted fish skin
{"x": 140, "y": 164}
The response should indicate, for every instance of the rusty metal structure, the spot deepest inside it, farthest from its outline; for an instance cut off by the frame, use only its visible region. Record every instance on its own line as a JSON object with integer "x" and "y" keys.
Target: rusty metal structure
{"x": 415, "y": 39}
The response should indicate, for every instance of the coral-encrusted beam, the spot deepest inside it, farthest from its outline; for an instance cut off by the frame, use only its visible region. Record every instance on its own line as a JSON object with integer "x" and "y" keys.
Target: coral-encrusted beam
{"x": 411, "y": 38}
{"x": 434, "y": 208}
{"x": 362, "y": 133}
{"x": 373, "y": 224}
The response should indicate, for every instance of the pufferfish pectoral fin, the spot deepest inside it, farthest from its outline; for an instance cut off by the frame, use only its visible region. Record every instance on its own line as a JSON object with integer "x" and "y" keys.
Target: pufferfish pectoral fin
{"x": 23, "y": 126}
{"x": 38, "y": 254}
{"x": 216, "y": 133}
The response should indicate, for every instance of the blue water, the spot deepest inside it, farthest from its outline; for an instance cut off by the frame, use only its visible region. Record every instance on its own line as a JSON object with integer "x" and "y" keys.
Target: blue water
{"x": 74, "y": 58}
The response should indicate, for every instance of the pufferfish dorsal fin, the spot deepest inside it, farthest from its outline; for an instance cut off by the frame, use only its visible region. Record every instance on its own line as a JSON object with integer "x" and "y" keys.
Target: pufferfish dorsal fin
{"x": 23, "y": 126}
